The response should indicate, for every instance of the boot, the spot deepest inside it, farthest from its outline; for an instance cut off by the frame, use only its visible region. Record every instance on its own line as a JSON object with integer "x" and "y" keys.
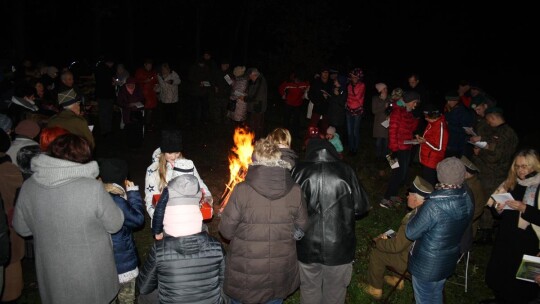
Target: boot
{"x": 392, "y": 281}
{"x": 372, "y": 291}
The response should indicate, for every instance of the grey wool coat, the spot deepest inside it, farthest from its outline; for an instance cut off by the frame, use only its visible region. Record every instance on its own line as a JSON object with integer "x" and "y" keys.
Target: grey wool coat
{"x": 71, "y": 217}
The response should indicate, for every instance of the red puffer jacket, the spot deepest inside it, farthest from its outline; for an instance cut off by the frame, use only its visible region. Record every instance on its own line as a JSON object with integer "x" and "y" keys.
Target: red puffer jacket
{"x": 402, "y": 126}
{"x": 433, "y": 150}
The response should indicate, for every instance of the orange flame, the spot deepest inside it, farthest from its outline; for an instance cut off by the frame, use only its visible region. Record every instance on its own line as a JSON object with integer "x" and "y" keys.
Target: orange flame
{"x": 239, "y": 160}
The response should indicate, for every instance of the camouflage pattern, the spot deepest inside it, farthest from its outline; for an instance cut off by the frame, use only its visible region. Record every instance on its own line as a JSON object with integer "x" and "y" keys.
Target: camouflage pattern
{"x": 126, "y": 295}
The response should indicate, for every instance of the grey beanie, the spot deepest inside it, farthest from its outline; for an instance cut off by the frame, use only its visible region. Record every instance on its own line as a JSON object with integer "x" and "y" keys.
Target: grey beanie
{"x": 451, "y": 171}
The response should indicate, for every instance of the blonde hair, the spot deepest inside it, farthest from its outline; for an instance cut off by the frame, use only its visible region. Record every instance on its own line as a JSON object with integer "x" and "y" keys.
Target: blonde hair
{"x": 533, "y": 160}
{"x": 266, "y": 151}
{"x": 280, "y": 136}
{"x": 162, "y": 170}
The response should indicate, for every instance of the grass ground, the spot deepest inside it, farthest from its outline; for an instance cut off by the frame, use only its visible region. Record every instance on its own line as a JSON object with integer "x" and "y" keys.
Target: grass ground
{"x": 208, "y": 146}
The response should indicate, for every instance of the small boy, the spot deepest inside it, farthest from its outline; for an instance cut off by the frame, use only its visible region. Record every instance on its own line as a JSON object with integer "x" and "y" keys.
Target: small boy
{"x": 113, "y": 173}
{"x": 333, "y": 138}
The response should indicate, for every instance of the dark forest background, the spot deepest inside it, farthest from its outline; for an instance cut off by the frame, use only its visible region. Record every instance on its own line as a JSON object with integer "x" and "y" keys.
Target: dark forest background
{"x": 444, "y": 41}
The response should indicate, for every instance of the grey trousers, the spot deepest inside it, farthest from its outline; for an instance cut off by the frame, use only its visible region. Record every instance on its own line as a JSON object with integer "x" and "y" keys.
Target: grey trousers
{"x": 321, "y": 284}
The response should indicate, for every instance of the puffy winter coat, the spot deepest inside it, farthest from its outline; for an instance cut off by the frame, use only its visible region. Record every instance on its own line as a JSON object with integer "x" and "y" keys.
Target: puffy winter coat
{"x": 402, "y": 126}
{"x": 125, "y": 252}
{"x": 437, "y": 230}
{"x": 187, "y": 269}
{"x": 260, "y": 219}
{"x": 334, "y": 197}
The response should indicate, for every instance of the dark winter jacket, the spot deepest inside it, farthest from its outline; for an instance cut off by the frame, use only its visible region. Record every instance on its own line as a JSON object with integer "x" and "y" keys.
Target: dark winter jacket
{"x": 104, "y": 81}
{"x": 187, "y": 269}
{"x": 334, "y": 197}
{"x": 437, "y": 230}
{"x": 257, "y": 95}
{"x": 320, "y": 104}
{"x": 127, "y": 101}
{"x": 125, "y": 252}
{"x": 457, "y": 118}
{"x": 260, "y": 218}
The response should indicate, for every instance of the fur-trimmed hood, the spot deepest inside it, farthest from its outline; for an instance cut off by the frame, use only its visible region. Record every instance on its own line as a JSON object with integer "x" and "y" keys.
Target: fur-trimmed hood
{"x": 271, "y": 179}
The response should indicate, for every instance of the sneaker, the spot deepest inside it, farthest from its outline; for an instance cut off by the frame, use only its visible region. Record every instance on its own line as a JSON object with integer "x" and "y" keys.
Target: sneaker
{"x": 388, "y": 204}
{"x": 396, "y": 199}
{"x": 372, "y": 291}
{"x": 392, "y": 280}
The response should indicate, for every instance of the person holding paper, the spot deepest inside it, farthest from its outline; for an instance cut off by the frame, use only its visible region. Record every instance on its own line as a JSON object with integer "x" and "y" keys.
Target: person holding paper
{"x": 168, "y": 82}
{"x": 518, "y": 230}
{"x": 433, "y": 143}
{"x": 394, "y": 251}
{"x": 131, "y": 100}
{"x": 495, "y": 159}
{"x": 402, "y": 125}
{"x": 437, "y": 230}
{"x": 458, "y": 117}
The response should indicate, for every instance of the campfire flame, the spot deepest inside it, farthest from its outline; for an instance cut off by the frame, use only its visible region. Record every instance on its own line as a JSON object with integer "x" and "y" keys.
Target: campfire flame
{"x": 239, "y": 160}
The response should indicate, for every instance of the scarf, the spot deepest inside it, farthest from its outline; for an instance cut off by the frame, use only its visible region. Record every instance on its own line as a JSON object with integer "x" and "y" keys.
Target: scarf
{"x": 531, "y": 194}
{"x": 443, "y": 186}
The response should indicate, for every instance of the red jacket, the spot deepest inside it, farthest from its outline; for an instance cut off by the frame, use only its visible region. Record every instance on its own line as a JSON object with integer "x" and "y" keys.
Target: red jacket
{"x": 433, "y": 150}
{"x": 293, "y": 92}
{"x": 150, "y": 97}
{"x": 402, "y": 126}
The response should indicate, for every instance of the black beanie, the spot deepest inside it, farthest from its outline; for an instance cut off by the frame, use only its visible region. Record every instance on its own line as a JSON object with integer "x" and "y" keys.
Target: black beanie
{"x": 410, "y": 96}
{"x": 5, "y": 142}
{"x": 113, "y": 170}
{"x": 171, "y": 141}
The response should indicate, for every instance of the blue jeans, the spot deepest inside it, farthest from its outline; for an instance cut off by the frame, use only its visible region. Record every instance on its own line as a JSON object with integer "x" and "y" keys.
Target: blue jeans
{"x": 273, "y": 301}
{"x": 353, "y": 130}
{"x": 428, "y": 292}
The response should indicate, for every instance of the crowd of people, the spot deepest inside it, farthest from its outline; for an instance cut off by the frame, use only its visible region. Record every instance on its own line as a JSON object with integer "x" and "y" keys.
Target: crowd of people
{"x": 291, "y": 223}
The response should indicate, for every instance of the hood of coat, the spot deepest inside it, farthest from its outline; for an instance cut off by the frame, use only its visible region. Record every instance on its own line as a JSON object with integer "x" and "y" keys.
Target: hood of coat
{"x": 271, "y": 180}
{"x": 189, "y": 244}
{"x": 51, "y": 172}
{"x": 156, "y": 155}
{"x": 321, "y": 150}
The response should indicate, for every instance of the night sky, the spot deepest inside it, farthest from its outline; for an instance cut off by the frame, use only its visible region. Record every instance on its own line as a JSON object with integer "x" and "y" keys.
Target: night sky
{"x": 445, "y": 42}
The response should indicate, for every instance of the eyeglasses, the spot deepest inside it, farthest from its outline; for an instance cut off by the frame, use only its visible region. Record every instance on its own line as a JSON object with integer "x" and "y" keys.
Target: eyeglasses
{"x": 517, "y": 166}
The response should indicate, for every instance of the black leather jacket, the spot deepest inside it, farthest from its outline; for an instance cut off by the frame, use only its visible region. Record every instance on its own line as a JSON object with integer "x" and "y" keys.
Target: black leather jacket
{"x": 334, "y": 199}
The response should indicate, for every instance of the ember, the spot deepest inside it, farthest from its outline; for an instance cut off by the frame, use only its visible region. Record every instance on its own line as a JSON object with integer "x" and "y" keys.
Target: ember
{"x": 239, "y": 160}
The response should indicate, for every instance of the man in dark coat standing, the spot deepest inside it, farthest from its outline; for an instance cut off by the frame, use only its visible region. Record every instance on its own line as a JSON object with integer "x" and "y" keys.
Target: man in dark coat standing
{"x": 334, "y": 199}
